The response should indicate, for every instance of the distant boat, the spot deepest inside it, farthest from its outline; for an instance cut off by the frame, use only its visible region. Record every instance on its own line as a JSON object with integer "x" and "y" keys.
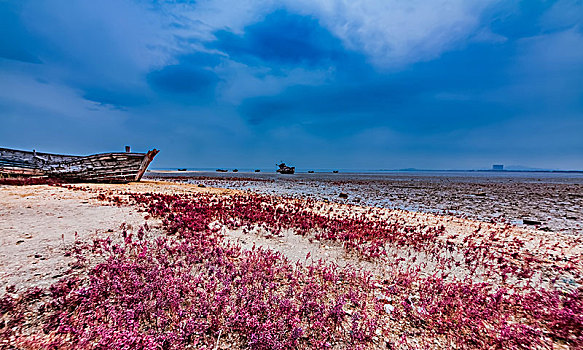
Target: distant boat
{"x": 310, "y": 171}
{"x": 235, "y": 170}
{"x": 335, "y": 171}
{"x": 222, "y": 170}
{"x": 284, "y": 169}
{"x": 257, "y": 170}
{"x": 117, "y": 167}
{"x": 182, "y": 169}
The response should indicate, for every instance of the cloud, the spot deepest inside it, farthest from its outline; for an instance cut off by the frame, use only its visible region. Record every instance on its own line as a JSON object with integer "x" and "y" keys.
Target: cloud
{"x": 16, "y": 43}
{"x": 398, "y": 33}
{"x": 280, "y": 51}
{"x": 413, "y": 99}
{"x": 103, "y": 48}
{"x": 326, "y": 102}
{"x": 180, "y": 79}
{"x": 112, "y": 39}
{"x": 391, "y": 34}
{"x": 240, "y": 81}
{"x": 558, "y": 51}
{"x": 282, "y": 38}
{"x": 115, "y": 99}
{"x": 55, "y": 118}
{"x": 545, "y": 74}
{"x": 563, "y": 14}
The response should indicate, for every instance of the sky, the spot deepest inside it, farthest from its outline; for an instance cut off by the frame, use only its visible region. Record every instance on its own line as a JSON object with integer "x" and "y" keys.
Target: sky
{"x": 378, "y": 84}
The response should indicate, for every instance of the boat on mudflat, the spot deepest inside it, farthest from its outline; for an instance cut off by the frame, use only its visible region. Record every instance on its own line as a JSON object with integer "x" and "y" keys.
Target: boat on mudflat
{"x": 284, "y": 169}
{"x": 116, "y": 167}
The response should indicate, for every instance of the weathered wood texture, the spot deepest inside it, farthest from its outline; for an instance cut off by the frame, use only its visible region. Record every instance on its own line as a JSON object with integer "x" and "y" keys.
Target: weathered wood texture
{"x": 105, "y": 167}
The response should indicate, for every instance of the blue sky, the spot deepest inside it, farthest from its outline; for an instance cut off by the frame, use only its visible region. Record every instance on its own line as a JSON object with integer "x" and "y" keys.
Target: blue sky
{"x": 389, "y": 84}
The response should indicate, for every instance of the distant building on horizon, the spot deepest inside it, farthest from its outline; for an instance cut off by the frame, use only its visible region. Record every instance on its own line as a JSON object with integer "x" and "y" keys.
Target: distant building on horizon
{"x": 497, "y": 167}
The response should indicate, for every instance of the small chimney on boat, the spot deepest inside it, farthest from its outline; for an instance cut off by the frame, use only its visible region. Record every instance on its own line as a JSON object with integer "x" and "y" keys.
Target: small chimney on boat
{"x": 127, "y": 149}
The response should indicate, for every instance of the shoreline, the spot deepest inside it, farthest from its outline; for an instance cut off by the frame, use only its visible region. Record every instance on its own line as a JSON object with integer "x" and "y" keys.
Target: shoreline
{"x": 370, "y": 172}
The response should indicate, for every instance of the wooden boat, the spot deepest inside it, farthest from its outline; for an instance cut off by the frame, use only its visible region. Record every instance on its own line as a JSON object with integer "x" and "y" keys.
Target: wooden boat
{"x": 284, "y": 169}
{"x": 105, "y": 167}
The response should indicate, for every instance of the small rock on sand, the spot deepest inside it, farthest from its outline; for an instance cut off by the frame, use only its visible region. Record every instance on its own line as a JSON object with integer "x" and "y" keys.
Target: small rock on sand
{"x": 389, "y": 308}
{"x": 531, "y": 222}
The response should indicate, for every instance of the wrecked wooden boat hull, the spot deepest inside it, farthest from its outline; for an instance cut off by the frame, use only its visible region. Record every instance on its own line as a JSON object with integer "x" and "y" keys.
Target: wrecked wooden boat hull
{"x": 105, "y": 167}
{"x": 284, "y": 169}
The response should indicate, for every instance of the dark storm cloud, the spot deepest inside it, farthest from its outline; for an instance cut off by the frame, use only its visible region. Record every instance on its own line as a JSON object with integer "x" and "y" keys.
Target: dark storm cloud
{"x": 117, "y": 98}
{"x": 427, "y": 97}
{"x": 193, "y": 75}
{"x": 182, "y": 80}
{"x": 282, "y": 38}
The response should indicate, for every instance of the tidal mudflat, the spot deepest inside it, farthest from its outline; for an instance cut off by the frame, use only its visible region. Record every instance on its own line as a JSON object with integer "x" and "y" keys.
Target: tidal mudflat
{"x": 551, "y": 201}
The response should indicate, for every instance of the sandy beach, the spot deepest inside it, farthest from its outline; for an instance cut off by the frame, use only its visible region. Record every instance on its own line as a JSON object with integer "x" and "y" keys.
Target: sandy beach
{"x": 42, "y": 225}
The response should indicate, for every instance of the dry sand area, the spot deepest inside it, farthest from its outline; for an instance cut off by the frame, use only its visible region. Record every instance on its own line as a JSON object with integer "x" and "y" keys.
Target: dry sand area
{"x": 39, "y": 222}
